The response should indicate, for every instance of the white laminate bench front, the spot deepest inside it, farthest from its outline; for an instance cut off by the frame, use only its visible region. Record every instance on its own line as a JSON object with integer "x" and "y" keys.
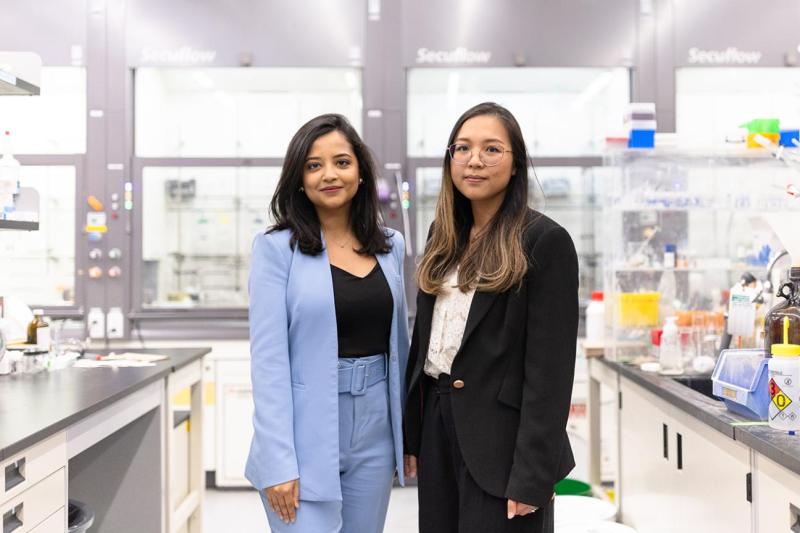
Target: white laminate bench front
{"x": 33, "y": 484}
{"x": 95, "y": 427}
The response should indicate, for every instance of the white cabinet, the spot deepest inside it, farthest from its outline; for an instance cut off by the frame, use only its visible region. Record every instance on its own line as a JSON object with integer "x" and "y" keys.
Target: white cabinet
{"x": 209, "y": 421}
{"x": 33, "y": 486}
{"x": 776, "y": 492}
{"x": 712, "y": 480}
{"x": 234, "y": 421}
{"x": 646, "y": 474}
{"x": 677, "y": 474}
{"x": 54, "y": 524}
{"x": 33, "y": 506}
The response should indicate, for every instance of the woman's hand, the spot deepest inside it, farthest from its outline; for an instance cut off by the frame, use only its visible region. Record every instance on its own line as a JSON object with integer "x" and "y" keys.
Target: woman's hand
{"x": 284, "y": 499}
{"x": 519, "y": 509}
{"x": 410, "y": 465}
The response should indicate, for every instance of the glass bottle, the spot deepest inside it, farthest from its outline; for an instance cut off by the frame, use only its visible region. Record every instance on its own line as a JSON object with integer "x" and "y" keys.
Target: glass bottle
{"x": 666, "y": 285}
{"x": 788, "y": 308}
{"x": 38, "y": 330}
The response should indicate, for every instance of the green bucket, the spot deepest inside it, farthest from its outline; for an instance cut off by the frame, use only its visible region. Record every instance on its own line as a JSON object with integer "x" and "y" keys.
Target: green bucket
{"x": 573, "y": 487}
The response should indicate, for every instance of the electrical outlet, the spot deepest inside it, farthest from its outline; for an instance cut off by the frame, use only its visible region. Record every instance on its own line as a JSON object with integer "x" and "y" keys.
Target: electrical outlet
{"x": 115, "y": 323}
{"x": 96, "y": 321}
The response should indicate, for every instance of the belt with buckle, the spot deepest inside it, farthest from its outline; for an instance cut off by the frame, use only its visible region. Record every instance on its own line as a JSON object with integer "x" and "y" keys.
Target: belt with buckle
{"x": 356, "y": 379}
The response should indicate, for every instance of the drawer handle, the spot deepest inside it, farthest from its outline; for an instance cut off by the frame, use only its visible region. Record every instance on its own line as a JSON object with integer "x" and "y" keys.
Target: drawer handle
{"x": 12, "y": 520}
{"x": 15, "y": 474}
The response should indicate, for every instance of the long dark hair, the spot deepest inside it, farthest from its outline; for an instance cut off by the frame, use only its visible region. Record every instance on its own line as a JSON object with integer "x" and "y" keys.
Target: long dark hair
{"x": 496, "y": 261}
{"x": 291, "y": 209}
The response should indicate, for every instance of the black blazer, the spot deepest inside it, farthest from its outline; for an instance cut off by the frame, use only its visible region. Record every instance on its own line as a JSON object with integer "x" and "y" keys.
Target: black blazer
{"x": 517, "y": 361}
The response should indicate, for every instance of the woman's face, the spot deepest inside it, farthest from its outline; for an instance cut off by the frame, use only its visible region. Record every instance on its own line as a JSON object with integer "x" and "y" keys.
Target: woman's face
{"x": 330, "y": 173}
{"x": 474, "y": 179}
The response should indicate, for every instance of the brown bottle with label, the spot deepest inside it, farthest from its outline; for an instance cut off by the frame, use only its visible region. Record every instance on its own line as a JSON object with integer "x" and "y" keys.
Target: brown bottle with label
{"x": 788, "y": 308}
{"x": 34, "y": 326}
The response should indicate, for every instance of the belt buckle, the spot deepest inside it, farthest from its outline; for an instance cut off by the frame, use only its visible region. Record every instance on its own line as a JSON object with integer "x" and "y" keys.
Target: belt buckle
{"x": 358, "y": 383}
{"x": 385, "y": 362}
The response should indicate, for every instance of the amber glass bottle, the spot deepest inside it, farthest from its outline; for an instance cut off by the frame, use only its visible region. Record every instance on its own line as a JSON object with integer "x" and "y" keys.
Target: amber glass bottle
{"x": 788, "y": 308}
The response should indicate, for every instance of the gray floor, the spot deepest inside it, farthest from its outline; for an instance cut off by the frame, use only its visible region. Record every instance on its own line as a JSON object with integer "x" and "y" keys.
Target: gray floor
{"x": 241, "y": 511}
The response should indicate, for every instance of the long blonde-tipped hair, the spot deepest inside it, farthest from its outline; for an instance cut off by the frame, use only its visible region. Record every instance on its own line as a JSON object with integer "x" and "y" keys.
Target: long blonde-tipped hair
{"x": 496, "y": 260}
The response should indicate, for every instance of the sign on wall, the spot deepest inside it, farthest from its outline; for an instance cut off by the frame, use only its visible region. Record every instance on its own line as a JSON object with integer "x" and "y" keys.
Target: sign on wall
{"x": 458, "y": 56}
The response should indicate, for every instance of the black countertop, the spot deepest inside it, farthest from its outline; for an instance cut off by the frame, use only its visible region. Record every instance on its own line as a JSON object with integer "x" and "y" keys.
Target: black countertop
{"x": 711, "y": 412}
{"x": 778, "y": 446}
{"x": 33, "y": 407}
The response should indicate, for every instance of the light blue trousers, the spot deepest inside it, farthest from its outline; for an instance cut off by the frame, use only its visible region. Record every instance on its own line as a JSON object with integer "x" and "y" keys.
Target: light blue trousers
{"x": 366, "y": 468}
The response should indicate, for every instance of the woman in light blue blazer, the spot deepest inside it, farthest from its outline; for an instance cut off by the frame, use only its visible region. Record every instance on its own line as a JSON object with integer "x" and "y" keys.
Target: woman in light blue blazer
{"x": 328, "y": 341}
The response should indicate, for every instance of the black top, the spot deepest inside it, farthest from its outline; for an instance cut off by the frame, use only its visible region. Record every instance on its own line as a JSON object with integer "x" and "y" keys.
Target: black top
{"x": 35, "y": 406}
{"x": 363, "y": 312}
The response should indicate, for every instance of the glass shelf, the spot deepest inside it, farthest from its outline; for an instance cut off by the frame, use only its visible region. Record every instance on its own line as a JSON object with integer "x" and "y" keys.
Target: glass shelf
{"x": 710, "y": 206}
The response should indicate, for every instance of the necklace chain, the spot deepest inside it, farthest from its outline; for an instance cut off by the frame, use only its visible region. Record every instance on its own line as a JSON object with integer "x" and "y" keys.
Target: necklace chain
{"x": 345, "y": 243}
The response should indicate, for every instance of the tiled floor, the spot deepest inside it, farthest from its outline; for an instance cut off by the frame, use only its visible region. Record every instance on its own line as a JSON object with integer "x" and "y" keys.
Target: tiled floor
{"x": 240, "y": 511}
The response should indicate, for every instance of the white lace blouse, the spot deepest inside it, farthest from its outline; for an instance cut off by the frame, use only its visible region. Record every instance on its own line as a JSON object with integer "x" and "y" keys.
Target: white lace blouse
{"x": 447, "y": 327}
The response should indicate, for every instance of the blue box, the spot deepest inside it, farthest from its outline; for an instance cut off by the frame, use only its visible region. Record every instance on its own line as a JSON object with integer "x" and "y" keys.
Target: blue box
{"x": 740, "y": 380}
{"x": 642, "y": 139}
{"x": 787, "y": 136}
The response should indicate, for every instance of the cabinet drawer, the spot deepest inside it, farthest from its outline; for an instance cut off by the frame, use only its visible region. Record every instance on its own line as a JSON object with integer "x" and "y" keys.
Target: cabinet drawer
{"x": 55, "y": 523}
{"x": 29, "y": 509}
{"x": 26, "y": 468}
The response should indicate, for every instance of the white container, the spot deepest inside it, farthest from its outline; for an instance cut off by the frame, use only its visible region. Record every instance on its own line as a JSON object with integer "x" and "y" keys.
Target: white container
{"x": 669, "y": 354}
{"x": 582, "y": 510}
{"x": 742, "y": 311}
{"x": 784, "y": 384}
{"x": 784, "y": 405}
{"x": 595, "y": 319}
{"x": 595, "y": 527}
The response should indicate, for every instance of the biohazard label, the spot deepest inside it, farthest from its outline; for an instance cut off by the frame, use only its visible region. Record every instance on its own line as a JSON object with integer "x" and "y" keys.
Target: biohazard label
{"x": 779, "y": 398}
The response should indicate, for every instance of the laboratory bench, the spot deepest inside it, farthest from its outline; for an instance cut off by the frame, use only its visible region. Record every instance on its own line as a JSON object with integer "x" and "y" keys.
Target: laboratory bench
{"x": 116, "y": 439}
{"x": 686, "y": 463}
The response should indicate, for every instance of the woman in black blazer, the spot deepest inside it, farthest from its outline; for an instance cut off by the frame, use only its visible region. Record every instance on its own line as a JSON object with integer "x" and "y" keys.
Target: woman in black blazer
{"x": 493, "y": 351}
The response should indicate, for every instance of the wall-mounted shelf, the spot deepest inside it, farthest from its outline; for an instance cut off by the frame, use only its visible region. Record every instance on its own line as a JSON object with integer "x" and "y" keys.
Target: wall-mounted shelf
{"x": 19, "y": 225}
{"x": 13, "y": 86}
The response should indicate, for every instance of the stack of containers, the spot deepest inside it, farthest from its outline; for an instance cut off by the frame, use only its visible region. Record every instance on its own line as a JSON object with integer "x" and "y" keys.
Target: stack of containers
{"x": 766, "y": 127}
{"x": 788, "y": 136}
{"x": 640, "y": 121}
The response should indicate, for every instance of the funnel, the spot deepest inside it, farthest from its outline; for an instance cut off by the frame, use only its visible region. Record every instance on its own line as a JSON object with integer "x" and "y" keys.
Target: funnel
{"x": 787, "y": 227}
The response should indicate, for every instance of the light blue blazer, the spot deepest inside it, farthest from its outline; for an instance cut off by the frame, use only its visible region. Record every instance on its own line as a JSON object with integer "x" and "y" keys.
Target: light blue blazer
{"x": 294, "y": 356}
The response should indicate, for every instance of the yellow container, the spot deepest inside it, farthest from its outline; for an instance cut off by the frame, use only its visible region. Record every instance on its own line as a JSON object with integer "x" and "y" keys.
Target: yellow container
{"x": 751, "y": 143}
{"x": 638, "y": 309}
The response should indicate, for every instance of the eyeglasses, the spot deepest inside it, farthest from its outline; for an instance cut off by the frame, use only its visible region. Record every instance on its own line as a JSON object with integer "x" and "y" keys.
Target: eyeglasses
{"x": 490, "y": 155}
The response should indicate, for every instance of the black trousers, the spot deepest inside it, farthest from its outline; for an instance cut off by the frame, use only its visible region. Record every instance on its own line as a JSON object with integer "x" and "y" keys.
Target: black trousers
{"x": 449, "y": 499}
